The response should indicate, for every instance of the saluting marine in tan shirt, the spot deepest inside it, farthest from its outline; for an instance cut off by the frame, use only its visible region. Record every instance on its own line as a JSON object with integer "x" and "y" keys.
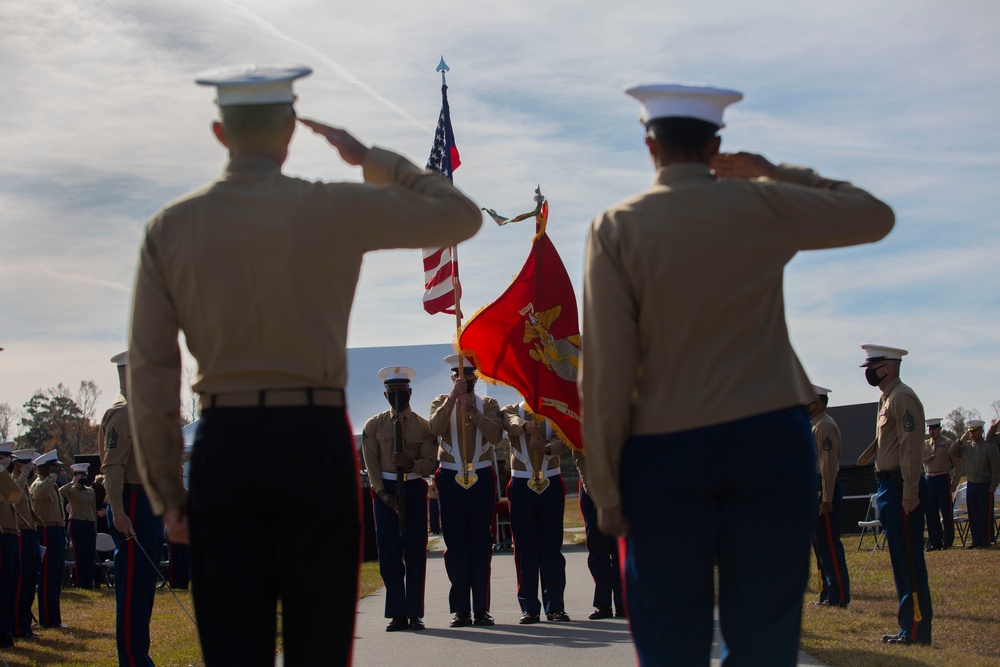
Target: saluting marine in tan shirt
{"x": 49, "y": 509}
{"x": 938, "y": 460}
{"x": 82, "y": 503}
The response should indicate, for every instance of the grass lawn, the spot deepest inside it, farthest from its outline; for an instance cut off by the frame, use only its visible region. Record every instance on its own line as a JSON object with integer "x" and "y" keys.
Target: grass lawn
{"x": 965, "y": 591}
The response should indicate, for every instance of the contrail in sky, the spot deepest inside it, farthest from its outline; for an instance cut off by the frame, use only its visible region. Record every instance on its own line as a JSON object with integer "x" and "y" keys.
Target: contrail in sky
{"x": 79, "y": 278}
{"x": 270, "y": 28}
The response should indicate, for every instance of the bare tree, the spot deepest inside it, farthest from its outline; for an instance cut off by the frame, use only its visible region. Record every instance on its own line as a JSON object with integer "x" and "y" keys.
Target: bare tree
{"x": 996, "y": 409}
{"x": 86, "y": 397}
{"x": 959, "y": 417}
{"x": 7, "y": 418}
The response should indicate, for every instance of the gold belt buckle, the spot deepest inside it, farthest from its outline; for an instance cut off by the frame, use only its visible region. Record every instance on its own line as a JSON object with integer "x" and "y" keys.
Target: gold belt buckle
{"x": 467, "y": 477}
{"x": 538, "y": 482}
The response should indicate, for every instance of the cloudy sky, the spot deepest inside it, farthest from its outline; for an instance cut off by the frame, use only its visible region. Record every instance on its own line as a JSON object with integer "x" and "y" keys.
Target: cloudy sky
{"x": 102, "y": 124}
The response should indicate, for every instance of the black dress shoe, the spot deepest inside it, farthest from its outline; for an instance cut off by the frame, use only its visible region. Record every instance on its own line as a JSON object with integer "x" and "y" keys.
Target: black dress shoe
{"x": 558, "y": 616}
{"x": 483, "y": 618}
{"x": 396, "y": 624}
{"x": 621, "y": 614}
{"x": 904, "y": 640}
{"x": 933, "y": 547}
{"x": 887, "y": 638}
{"x": 601, "y": 612}
{"x": 527, "y": 618}
{"x": 417, "y": 623}
{"x": 462, "y": 619}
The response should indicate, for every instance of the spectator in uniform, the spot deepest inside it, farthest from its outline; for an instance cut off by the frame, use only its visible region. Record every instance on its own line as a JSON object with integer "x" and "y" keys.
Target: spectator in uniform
{"x": 602, "y": 553}
{"x": 942, "y": 470}
{"x": 136, "y": 530}
{"x": 537, "y": 497}
{"x": 898, "y": 451}
{"x": 468, "y": 426}
{"x": 10, "y": 560}
{"x": 27, "y": 578}
{"x": 50, "y": 515}
{"x": 836, "y": 588}
{"x": 82, "y": 524}
{"x": 399, "y": 494}
{"x": 278, "y": 260}
{"x": 981, "y": 462}
{"x": 693, "y": 400}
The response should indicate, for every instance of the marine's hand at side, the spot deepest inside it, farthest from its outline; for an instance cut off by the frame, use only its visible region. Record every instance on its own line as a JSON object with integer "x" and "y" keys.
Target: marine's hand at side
{"x": 742, "y": 165}
{"x": 176, "y": 522}
{"x": 351, "y": 150}
{"x": 611, "y": 521}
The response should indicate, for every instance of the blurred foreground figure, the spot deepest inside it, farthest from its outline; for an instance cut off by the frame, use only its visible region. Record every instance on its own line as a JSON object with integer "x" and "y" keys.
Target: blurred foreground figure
{"x": 694, "y": 401}
{"x": 259, "y": 271}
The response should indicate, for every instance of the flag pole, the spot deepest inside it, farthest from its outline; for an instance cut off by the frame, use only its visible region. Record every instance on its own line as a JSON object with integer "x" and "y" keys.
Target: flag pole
{"x": 463, "y": 454}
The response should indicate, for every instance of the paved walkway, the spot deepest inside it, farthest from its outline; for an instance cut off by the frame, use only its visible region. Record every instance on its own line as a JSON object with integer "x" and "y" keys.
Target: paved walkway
{"x": 581, "y": 643}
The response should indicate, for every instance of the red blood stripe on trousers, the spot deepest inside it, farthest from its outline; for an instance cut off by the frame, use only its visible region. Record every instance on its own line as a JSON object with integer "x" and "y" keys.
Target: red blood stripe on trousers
{"x": 129, "y": 583}
{"x": 833, "y": 557}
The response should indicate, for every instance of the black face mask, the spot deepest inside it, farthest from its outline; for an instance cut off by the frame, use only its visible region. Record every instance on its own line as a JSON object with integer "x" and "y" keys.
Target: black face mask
{"x": 399, "y": 399}
{"x": 871, "y": 374}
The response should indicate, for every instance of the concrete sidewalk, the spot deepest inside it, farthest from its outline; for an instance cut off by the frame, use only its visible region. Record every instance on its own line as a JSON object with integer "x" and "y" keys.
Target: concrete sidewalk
{"x": 582, "y": 642}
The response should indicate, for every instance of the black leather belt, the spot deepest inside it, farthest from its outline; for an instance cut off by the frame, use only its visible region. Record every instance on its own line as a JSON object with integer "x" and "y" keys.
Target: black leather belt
{"x": 883, "y": 475}
{"x": 275, "y": 398}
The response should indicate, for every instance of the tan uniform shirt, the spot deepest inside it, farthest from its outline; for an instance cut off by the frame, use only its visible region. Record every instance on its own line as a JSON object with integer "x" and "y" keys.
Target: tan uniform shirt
{"x": 114, "y": 444}
{"x": 24, "y": 508}
{"x": 899, "y": 437}
{"x": 11, "y": 493}
{"x": 259, "y": 271}
{"x": 82, "y": 504}
{"x": 980, "y": 460}
{"x": 521, "y": 456}
{"x": 939, "y": 461}
{"x": 485, "y": 422}
{"x": 379, "y": 441}
{"x": 826, "y": 434}
{"x": 683, "y": 311}
{"x": 49, "y": 508}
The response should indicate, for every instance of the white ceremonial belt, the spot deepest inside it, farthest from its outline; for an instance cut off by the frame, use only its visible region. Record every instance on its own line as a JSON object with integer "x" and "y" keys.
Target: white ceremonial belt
{"x": 406, "y": 476}
{"x": 936, "y": 474}
{"x": 524, "y": 474}
{"x": 479, "y": 465}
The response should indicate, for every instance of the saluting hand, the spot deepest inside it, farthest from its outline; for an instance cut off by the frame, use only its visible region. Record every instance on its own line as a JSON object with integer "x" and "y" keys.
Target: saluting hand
{"x": 741, "y": 165}
{"x": 351, "y": 150}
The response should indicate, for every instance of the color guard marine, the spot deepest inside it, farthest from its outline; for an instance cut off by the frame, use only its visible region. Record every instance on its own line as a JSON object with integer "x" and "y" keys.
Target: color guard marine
{"x": 399, "y": 450}
{"x": 468, "y": 426}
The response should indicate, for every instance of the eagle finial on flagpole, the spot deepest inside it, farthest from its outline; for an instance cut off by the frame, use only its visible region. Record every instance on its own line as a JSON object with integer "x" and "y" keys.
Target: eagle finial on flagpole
{"x": 443, "y": 68}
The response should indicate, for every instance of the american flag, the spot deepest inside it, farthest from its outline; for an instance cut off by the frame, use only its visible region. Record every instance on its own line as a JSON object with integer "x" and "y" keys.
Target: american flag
{"x": 441, "y": 264}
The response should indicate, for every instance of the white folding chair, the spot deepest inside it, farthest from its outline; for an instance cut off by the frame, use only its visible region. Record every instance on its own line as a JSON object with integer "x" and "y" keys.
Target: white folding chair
{"x": 872, "y": 525}
{"x": 960, "y": 512}
{"x": 106, "y": 543}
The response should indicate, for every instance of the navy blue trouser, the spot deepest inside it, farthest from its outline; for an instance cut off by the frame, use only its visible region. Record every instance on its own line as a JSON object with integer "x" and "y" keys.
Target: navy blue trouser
{"x": 905, "y": 535}
{"x": 84, "y": 537}
{"x": 27, "y": 582}
{"x": 939, "y": 510}
{"x": 403, "y": 562}
{"x": 50, "y": 574}
{"x": 602, "y": 557}
{"x": 297, "y": 539}
{"x": 836, "y": 587}
{"x": 135, "y": 577}
{"x": 179, "y": 574}
{"x": 434, "y": 513}
{"x": 700, "y": 496}
{"x": 466, "y": 518}
{"x": 536, "y": 524}
{"x": 979, "y": 500}
{"x": 10, "y": 565}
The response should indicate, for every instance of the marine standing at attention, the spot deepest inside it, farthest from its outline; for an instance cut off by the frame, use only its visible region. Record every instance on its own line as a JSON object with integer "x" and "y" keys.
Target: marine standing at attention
{"x": 468, "y": 426}
{"x": 51, "y": 517}
{"x": 259, "y": 271}
{"x": 836, "y": 588}
{"x": 399, "y": 450}
{"x": 693, "y": 399}
{"x": 898, "y": 451}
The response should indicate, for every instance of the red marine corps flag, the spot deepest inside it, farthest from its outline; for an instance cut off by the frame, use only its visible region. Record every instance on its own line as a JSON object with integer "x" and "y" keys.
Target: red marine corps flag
{"x": 442, "y": 291}
{"x": 529, "y": 337}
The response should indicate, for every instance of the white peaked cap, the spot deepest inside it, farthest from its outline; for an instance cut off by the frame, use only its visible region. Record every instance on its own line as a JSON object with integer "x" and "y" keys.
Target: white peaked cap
{"x": 874, "y": 353}
{"x": 933, "y": 422}
{"x": 975, "y": 423}
{"x": 7, "y": 447}
{"x": 246, "y": 85}
{"x": 396, "y": 374}
{"x": 80, "y": 467}
{"x": 47, "y": 457}
{"x": 821, "y": 391}
{"x": 452, "y": 361}
{"x": 673, "y": 100}
{"x": 120, "y": 359}
{"x": 24, "y": 454}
